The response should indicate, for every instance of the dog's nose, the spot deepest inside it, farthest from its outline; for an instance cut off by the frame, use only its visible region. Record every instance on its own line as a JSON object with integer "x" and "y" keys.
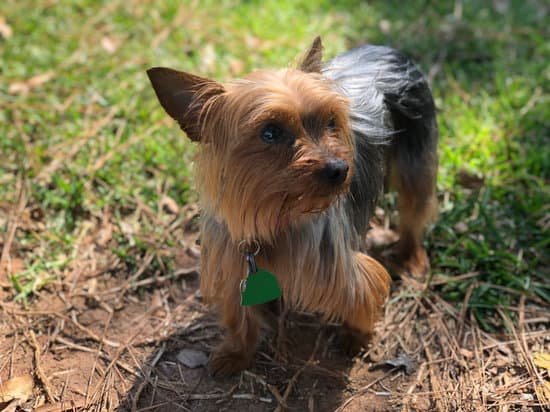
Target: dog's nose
{"x": 335, "y": 171}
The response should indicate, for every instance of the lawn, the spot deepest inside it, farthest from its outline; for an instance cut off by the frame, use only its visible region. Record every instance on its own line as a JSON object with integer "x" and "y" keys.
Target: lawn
{"x": 95, "y": 179}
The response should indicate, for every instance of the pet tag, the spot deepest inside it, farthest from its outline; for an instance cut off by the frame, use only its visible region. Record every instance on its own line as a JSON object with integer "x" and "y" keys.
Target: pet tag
{"x": 260, "y": 286}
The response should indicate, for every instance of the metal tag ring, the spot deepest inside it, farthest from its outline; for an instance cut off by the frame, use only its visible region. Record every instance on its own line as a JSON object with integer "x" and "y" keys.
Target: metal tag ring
{"x": 245, "y": 247}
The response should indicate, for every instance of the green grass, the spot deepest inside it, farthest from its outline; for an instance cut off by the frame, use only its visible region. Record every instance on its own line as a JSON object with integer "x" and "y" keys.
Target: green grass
{"x": 93, "y": 139}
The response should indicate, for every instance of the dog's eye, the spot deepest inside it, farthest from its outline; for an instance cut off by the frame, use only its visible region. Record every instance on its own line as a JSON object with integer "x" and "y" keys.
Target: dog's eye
{"x": 331, "y": 124}
{"x": 272, "y": 134}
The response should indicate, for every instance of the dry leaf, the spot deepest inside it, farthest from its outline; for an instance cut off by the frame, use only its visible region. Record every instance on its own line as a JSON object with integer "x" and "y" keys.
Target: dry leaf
{"x": 402, "y": 361}
{"x": 194, "y": 252}
{"x": 25, "y": 86}
{"x": 460, "y": 227}
{"x": 192, "y": 358}
{"x": 527, "y": 397}
{"x": 19, "y": 387}
{"x": 128, "y": 228}
{"x": 157, "y": 303}
{"x": 542, "y": 360}
{"x": 109, "y": 45}
{"x": 105, "y": 234}
{"x": 208, "y": 58}
{"x": 468, "y": 354}
{"x": 378, "y": 237}
{"x": 91, "y": 286}
{"x": 420, "y": 403}
{"x": 252, "y": 42}
{"x": 385, "y": 26}
{"x": 160, "y": 37}
{"x": 236, "y": 67}
{"x": 470, "y": 180}
{"x": 5, "y": 28}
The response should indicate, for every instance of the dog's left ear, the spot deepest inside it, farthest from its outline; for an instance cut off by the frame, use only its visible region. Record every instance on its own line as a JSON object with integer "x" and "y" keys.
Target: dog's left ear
{"x": 311, "y": 63}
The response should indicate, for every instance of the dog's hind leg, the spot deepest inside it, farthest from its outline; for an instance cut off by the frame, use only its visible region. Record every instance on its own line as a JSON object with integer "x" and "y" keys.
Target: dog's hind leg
{"x": 412, "y": 164}
{"x": 416, "y": 206}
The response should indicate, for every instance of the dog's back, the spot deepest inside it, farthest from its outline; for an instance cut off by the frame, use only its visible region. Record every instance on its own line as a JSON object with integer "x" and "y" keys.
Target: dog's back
{"x": 393, "y": 118}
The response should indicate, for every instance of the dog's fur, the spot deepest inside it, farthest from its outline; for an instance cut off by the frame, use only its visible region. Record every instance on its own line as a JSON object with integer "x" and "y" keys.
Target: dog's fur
{"x": 306, "y": 197}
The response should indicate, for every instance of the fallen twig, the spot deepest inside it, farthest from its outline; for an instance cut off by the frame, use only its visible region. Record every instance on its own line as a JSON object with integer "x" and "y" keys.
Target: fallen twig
{"x": 211, "y": 396}
{"x": 277, "y": 395}
{"x": 38, "y": 367}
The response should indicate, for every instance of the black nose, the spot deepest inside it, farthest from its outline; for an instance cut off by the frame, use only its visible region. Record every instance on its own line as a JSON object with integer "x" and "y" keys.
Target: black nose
{"x": 335, "y": 171}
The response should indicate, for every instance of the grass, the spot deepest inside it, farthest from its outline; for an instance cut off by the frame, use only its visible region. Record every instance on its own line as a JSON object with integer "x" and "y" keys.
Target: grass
{"x": 88, "y": 139}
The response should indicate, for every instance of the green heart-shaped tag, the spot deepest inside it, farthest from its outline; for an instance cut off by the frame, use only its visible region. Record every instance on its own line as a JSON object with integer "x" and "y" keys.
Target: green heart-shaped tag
{"x": 259, "y": 287}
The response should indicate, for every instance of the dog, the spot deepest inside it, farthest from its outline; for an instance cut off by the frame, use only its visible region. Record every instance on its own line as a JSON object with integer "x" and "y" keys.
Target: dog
{"x": 289, "y": 168}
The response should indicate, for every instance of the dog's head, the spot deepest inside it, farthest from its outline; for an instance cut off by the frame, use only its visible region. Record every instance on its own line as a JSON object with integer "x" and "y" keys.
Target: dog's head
{"x": 275, "y": 146}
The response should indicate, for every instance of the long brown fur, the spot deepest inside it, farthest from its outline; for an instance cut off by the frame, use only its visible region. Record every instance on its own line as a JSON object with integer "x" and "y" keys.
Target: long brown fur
{"x": 273, "y": 194}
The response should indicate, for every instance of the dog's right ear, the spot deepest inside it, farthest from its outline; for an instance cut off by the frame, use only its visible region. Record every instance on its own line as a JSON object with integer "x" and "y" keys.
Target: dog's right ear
{"x": 183, "y": 95}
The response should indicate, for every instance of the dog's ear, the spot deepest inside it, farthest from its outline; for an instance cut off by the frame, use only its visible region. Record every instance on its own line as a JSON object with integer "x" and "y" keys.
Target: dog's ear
{"x": 183, "y": 95}
{"x": 311, "y": 63}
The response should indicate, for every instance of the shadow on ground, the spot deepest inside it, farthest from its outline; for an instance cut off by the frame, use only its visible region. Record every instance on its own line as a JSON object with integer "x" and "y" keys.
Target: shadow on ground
{"x": 311, "y": 379}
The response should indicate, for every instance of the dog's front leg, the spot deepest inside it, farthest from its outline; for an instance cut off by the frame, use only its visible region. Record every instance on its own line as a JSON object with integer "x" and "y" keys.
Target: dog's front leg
{"x": 235, "y": 353}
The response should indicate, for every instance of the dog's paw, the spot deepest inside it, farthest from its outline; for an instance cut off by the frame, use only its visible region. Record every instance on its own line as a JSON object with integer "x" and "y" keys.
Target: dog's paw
{"x": 415, "y": 263}
{"x": 225, "y": 362}
{"x": 353, "y": 342}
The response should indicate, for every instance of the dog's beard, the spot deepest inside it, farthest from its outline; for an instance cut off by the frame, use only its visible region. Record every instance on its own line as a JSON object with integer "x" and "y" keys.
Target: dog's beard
{"x": 304, "y": 208}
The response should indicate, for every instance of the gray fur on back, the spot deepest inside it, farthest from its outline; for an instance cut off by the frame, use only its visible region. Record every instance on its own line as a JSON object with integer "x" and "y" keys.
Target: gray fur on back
{"x": 376, "y": 80}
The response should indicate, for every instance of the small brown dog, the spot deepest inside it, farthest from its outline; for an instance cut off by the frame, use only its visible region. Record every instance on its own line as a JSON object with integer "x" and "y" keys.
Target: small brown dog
{"x": 290, "y": 164}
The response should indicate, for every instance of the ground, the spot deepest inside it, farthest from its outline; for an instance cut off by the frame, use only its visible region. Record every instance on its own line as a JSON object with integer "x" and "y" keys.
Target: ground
{"x": 99, "y": 303}
{"x": 102, "y": 339}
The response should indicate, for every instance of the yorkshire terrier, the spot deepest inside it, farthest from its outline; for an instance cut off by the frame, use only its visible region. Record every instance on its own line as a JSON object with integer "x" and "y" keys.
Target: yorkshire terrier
{"x": 289, "y": 169}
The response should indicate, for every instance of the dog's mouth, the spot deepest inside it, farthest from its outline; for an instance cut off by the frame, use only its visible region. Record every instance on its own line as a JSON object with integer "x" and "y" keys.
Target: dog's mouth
{"x": 321, "y": 205}
{"x": 305, "y": 207}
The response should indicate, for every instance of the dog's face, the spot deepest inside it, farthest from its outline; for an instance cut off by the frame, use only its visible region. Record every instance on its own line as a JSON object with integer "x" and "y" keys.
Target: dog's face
{"x": 275, "y": 147}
